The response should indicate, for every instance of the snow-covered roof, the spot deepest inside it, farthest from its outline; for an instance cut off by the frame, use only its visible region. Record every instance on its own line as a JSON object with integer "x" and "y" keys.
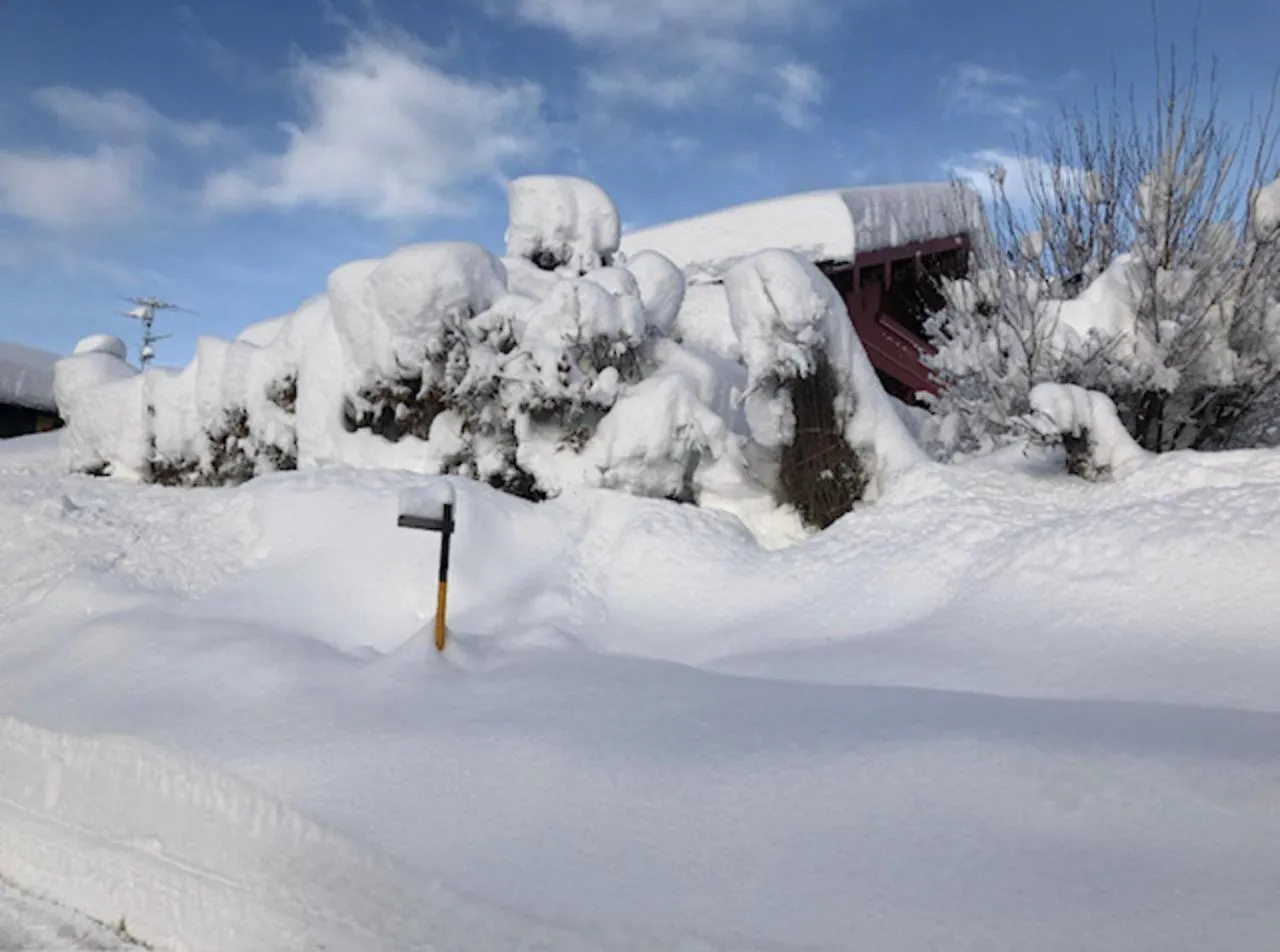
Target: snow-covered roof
{"x": 26, "y": 376}
{"x": 821, "y": 226}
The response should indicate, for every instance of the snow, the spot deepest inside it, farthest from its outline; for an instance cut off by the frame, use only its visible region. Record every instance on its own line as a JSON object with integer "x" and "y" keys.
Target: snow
{"x": 662, "y": 288}
{"x": 204, "y": 861}
{"x": 1105, "y": 308}
{"x": 103, "y": 344}
{"x": 26, "y": 376}
{"x": 1069, "y": 409}
{"x": 444, "y": 359}
{"x": 428, "y": 501}
{"x": 400, "y": 307}
{"x": 101, "y": 399}
{"x": 570, "y": 219}
{"x": 1001, "y": 707}
{"x": 826, "y": 226}
{"x": 1266, "y": 211}
{"x": 226, "y": 718}
{"x": 32, "y": 924}
{"x": 787, "y": 314}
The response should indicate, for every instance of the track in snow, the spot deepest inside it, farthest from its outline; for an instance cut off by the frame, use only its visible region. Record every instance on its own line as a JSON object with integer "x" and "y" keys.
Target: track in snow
{"x": 31, "y": 924}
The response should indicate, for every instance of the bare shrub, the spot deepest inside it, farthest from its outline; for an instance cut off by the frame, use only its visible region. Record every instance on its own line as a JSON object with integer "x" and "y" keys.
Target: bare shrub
{"x": 1152, "y": 211}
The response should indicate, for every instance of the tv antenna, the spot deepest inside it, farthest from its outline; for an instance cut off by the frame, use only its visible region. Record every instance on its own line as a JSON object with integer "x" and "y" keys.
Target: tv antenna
{"x": 144, "y": 310}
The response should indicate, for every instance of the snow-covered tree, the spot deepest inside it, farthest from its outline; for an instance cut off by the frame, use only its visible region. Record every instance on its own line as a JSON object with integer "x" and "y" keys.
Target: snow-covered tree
{"x": 812, "y": 396}
{"x": 1143, "y": 263}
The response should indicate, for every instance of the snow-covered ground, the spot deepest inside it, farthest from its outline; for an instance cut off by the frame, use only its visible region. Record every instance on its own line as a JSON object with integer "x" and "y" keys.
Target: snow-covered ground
{"x": 33, "y": 924}
{"x": 1000, "y": 708}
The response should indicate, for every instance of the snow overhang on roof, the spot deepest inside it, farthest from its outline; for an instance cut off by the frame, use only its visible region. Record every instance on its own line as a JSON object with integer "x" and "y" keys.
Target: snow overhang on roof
{"x": 26, "y": 377}
{"x": 831, "y": 226}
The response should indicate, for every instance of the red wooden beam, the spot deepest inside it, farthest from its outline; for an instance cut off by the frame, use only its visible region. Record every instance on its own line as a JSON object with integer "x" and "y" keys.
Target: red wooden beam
{"x": 894, "y": 350}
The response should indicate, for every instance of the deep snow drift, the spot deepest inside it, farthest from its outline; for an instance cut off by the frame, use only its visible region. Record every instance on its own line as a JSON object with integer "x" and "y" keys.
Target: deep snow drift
{"x": 1001, "y": 708}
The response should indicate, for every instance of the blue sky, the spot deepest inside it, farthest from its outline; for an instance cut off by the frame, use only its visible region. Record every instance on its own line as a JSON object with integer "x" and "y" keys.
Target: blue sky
{"x": 227, "y": 154}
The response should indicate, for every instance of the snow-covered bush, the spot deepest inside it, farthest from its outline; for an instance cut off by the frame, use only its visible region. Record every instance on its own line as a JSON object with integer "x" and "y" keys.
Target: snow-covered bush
{"x": 1087, "y": 427}
{"x": 1143, "y": 263}
{"x": 99, "y": 395}
{"x": 561, "y": 222}
{"x": 557, "y": 367}
{"x": 811, "y": 393}
{"x": 404, "y": 327}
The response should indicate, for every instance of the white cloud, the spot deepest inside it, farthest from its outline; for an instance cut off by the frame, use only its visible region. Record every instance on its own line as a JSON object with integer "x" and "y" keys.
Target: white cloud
{"x": 118, "y": 180}
{"x": 388, "y": 134}
{"x": 978, "y": 89}
{"x": 636, "y": 85}
{"x": 613, "y": 21}
{"x": 65, "y": 190}
{"x": 676, "y": 54}
{"x": 801, "y": 88}
{"x": 695, "y": 70}
{"x": 117, "y": 116}
{"x": 1022, "y": 175}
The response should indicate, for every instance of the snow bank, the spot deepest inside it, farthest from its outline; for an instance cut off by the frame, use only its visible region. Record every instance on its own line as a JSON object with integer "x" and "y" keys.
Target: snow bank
{"x": 191, "y": 858}
{"x": 560, "y": 221}
{"x": 428, "y": 502}
{"x": 990, "y": 641}
{"x": 1069, "y": 687}
{"x": 26, "y": 377}
{"x": 704, "y": 321}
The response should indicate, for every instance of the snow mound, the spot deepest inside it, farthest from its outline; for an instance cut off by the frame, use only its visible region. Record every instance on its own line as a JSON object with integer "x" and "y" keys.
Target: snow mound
{"x": 26, "y": 377}
{"x": 102, "y": 344}
{"x": 1072, "y": 411}
{"x": 560, "y": 221}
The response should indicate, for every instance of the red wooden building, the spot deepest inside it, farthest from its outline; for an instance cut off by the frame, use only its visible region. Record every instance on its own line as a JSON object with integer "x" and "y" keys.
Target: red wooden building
{"x": 885, "y": 249}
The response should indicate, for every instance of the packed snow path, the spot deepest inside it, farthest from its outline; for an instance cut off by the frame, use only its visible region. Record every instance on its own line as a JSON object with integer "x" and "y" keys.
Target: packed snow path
{"x": 999, "y": 709}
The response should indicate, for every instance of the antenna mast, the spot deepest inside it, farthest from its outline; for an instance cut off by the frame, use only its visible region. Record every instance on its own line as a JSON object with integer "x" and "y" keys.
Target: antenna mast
{"x": 144, "y": 311}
